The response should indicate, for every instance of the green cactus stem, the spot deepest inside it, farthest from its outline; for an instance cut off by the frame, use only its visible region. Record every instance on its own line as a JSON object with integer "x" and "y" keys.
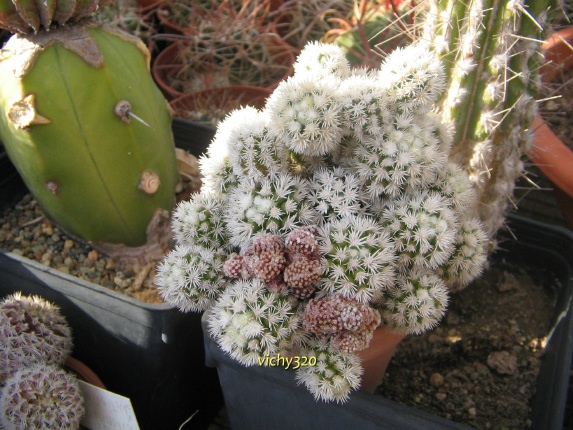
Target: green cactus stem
{"x": 491, "y": 50}
{"x": 88, "y": 130}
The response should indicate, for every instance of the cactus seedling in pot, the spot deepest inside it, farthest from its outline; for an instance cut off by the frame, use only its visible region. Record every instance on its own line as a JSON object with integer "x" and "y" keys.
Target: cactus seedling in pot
{"x": 84, "y": 123}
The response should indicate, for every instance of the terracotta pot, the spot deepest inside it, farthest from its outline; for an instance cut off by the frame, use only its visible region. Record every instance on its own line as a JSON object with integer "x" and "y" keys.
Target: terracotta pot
{"x": 167, "y": 66}
{"x": 164, "y": 16}
{"x": 83, "y": 372}
{"x": 377, "y": 356}
{"x": 164, "y": 13}
{"x": 549, "y": 153}
{"x": 223, "y": 99}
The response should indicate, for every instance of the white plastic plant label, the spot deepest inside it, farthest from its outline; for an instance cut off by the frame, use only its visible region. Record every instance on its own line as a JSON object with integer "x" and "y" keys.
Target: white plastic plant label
{"x": 106, "y": 410}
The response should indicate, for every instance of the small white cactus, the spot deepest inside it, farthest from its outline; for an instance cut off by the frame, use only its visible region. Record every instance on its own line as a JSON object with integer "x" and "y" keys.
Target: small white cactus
{"x": 333, "y": 376}
{"x": 249, "y": 321}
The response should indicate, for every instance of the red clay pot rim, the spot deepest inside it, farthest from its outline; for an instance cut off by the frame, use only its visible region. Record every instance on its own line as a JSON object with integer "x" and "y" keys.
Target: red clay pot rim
{"x": 245, "y": 94}
{"x": 83, "y": 372}
{"x": 549, "y": 153}
{"x": 166, "y": 60}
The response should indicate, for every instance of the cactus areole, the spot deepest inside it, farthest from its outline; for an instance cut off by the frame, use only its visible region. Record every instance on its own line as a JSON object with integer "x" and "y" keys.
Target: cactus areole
{"x": 88, "y": 130}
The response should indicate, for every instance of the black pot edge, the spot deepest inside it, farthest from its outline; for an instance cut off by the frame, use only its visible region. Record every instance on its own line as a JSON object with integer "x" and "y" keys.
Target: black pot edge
{"x": 367, "y": 411}
{"x": 151, "y": 347}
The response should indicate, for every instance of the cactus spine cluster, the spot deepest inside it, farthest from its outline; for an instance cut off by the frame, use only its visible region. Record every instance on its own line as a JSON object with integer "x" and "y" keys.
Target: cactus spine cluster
{"x": 31, "y": 330}
{"x": 491, "y": 50}
{"x": 83, "y": 121}
{"x": 41, "y": 397}
{"x": 35, "y": 392}
{"x": 332, "y": 211}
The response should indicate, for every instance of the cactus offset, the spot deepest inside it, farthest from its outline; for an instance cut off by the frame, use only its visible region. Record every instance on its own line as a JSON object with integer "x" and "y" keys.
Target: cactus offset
{"x": 98, "y": 171}
{"x": 41, "y": 397}
{"x": 491, "y": 49}
{"x": 31, "y": 330}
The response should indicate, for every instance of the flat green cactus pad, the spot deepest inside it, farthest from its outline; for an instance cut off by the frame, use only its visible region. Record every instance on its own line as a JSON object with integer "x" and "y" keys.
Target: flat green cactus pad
{"x": 96, "y": 171}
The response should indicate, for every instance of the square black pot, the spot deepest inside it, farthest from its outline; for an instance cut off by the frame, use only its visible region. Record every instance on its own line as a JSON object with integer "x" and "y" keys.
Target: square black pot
{"x": 150, "y": 353}
{"x": 264, "y": 397}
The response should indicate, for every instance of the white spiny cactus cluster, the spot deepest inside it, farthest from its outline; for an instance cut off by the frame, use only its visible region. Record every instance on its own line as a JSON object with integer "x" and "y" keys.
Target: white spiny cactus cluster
{"x": 333, "y": 211}
{"x": 334, "y": 375}
{"x": 251, "y": 321}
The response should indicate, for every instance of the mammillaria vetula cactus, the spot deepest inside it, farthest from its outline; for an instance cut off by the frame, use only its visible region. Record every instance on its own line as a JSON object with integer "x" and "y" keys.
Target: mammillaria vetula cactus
{"x": 251, "y": 321}
{"x": 93, "y": 141}
{"x": 40, "y": 397}
{"x": 334, "y": 211}
{"x": 32, "y": 330}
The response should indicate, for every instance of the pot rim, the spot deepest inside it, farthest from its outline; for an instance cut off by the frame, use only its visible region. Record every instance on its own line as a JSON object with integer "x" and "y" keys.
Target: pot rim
{"x": 549, "y": 153}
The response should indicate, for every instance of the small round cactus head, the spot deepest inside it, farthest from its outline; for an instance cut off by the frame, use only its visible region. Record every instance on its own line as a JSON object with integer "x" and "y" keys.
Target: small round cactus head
{"x": 31, "y": 16}
{"x": 31, "y": 330}
{"x": 41, "y": 397}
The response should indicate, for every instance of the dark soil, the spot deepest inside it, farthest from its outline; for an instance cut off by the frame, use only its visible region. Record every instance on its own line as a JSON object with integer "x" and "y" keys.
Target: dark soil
{"x": 479, "y": 366}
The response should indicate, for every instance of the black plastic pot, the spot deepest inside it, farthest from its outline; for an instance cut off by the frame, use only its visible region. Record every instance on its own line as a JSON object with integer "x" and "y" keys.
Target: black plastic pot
{"x": 263, "y": 397}
{"x": 150, "y": 353}
{"x": 12, "y": 187}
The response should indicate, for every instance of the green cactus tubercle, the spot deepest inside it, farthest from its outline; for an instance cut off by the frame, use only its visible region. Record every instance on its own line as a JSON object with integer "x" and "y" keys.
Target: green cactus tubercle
{"x": 66, "y": 96}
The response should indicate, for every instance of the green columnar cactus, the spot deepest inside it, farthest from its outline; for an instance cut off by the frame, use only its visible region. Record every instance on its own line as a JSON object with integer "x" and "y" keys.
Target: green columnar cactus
{"x": 491, "y": 49}
{"x": 84, "y": 123}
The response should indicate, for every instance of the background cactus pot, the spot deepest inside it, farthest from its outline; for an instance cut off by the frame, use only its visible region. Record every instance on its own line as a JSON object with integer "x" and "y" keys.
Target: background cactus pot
{"x": 68, "y": 99}
{"x": 149, "y": 352}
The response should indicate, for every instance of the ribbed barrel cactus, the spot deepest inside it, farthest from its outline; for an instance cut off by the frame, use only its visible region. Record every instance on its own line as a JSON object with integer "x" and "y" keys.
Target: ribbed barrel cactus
{"x": 83, "y": 121}
{"x": 491, "y": 50}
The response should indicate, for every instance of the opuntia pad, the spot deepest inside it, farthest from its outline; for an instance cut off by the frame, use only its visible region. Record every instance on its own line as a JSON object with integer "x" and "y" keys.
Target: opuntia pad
{"x": 98, "y": 175}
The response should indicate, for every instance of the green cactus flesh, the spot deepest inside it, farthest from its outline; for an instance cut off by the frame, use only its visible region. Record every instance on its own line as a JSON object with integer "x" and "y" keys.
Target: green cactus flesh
{"x": 491, "y": 49}
{"x": 84, "y": 164}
